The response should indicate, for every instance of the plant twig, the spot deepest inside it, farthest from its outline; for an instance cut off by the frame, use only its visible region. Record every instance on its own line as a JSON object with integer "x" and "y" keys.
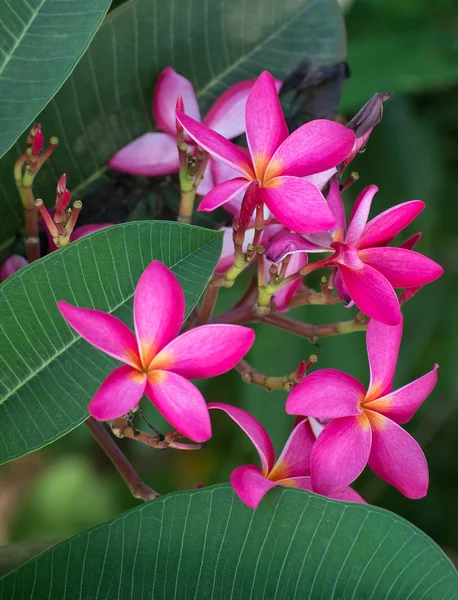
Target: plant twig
{"x": 314, "y": 332}
{"x": 138, "y": 488}
{"x": 286, "y": 382}
{"x": 208, "y": 305}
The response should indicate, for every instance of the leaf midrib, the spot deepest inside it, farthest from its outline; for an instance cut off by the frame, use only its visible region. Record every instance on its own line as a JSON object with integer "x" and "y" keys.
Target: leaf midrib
{"x": 78, "y": 337}
{"x": 199, "y": 93}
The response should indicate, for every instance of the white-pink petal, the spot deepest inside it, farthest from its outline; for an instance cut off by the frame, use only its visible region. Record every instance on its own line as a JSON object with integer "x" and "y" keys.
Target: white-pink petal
{"x": 227, "y": 115}
{"x": 150, "y": 155}
{"x": 169, "y": 86}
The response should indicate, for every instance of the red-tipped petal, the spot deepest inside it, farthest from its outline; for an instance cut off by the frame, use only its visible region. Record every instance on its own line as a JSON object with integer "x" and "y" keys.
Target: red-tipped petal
{"x": 249, "y": 485}
{"x": 150, "y": 155}
{"x": 159, "y": 308}
{"x": 326, "y": 394}
{"x": 169, "y": 86}
{"x": 382, "y": 343}
{"x": 181, "y": 403}
{"x": 227, "y": 115}
{"x": 360, "y": 215}
{"x": 403, "y": 268}
{"x": 297, "y": 204}
{"x": 401, "y": 405}
{"x": 225, "y": 192}
{"x": 254, "y": 430}
{"x": 294, "y": 461}
{"x": 372, "y": 293}
{"x": 340, "y": 453}
{"x": 388, "y": 224}
{"x": 265, "y": 124}
{"x": 104, "y": 331}
{"x": 315, "y": 147}
{"x": 121, "y": 391}
{"x": 397, "y": 458}
{"x": 205, "y": 351}
{"x": 217, "y": 145}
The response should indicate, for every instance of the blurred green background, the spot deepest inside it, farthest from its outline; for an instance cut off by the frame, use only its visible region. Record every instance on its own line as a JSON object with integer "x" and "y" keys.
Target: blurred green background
{"x": 409, "y": 48}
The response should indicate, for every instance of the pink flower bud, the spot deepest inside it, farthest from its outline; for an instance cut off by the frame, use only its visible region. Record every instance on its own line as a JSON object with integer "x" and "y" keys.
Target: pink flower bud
{"x": 61, "y": 185}
{"x": 63, "y": 201}
{"x": 37, "y": 143}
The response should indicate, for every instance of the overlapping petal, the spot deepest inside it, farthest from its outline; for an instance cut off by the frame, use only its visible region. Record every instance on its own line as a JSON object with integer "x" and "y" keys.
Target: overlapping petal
{"x": 313, "y": 148}
{"x": 305, "y": 483}
{"x": 169, "y": 86}
{"x": 150, "y": 155}
{"x": 205, "y": 351}
{"x": 335, "y": 203}
{"x": 297, "y": 204}
{"x": 360, "y": 214}
{"x": 181, "y": 403}
{"x": 319, "y": 180}
{"x": 249, "y": 484}
{"x": 340, "y": 453}
{"x": 254, "y": 430}
{"x": 159, "y": 307}
{"x": 104, "y": 331}
{"x": 217, "y": 145}
{"x": 227, "y": 115}
{"x": 265, "y": 124}
{"x": 401, "y": 405}
{"x": 372, "y": 293}
{"x": 294, "y": 461}
{"x": 402, "y": 268}
{"x": 388, "y": 224}
{"x": 288, "y": 242}
{"x": 85, "y": 230}
{"x": 326, "y": 394}
{"x": 284, "y": 294}
{"x": 225, "y": 192}
{"x": 121, "y": 391}
{"x": 397, "y": 458}
{"x": 382, "y": 343}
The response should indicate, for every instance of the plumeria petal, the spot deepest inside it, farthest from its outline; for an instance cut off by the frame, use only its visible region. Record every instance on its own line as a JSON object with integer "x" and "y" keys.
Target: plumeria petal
{"x": 169, "y": 86}
{"x": 341, "y": 289}
{"x": 360, "y": 215}
{"x": 305, "y": 483}
{"x": 150, "y": 155}
{"x": 401, "y": 405}
{"x": 104, "y": 331}
{"x": 402, "y": 268}
{"x": 225, "y": 192}
{"x": 287, "y": 242}
{"x": 319, "y": 180}
{"x": 284, "y": 294}
{"x": 382, "y": 343}
{"x": 121, "y": 391}
{"x": 181, "y": 403}
{"x": 227, "y": 115}
{"x": 265, "y": 124}
{"x": 326, "y": 394}
{"x": 205, "y": 351}
{"x": 335, "y": 203}
{"x": 297, "y": 204}
{"x": 208, "y": 181}
{"x": 340, "y": 453}
{"x": 397, "y": 458}
{"x": 249, "y": 485}
{"x": 315, "y": 147}
{"x": 372, "y": 293}
{"x": 85, "y": 230}
{"x": 388, "y": 224}
{"x": 222, "y": 172}
{"x": 217, "y": 145}
{"x": 159, "y": 307}
{"x": 254, "y": 430}
{"x": 11, "y": 265}
{"x": 294, "y": 461}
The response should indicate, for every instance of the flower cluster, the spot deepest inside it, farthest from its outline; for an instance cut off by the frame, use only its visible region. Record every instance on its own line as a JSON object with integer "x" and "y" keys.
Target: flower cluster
{"x": 285, "y": 193}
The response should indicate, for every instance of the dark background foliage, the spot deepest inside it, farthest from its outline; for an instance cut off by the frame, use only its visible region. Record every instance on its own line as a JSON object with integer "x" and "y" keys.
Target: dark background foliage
{"x": 409, "y": 48}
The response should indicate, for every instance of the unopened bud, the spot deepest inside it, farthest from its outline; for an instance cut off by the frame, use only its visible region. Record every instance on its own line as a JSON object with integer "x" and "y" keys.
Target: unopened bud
{"x": 37, "y": 143}
{"x": 63, "y": 201}
{"x": 32, "y": 133}
{"x": 61, "y": 185}
{"x": 369, "y": 116}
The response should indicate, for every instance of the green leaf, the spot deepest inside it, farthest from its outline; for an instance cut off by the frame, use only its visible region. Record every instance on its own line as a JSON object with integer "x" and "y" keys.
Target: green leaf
{"x": 206, "y": 544}
{"x": 42, "y": 41}
{"x": 106, "y": 103}
{"x": 48, "y": 374}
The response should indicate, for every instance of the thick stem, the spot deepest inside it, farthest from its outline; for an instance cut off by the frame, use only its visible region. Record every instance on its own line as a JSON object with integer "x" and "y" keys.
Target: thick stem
{"x": 286, "y": 382}
{"x": 208, "y": 305}
{"x": 138, "y": 488}
{"x": 186, "y": 206}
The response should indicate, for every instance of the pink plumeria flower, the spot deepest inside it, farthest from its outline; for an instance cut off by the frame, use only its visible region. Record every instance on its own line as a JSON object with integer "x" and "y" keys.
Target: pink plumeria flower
{"x": 278, "y": 161}
{"x": 365, "y": 424}
{"x": 367, "y": 269}
{"x": 12, "y": 264}
{"x": 291, "y": 469}
{"x": 157, "y": 362}
{"x": 154, "y": 154}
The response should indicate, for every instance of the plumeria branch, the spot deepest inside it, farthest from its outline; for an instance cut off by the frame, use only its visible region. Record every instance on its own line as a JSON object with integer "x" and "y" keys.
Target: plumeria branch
{"x": 286, "y": 382}
{"x": 138, "y": 488}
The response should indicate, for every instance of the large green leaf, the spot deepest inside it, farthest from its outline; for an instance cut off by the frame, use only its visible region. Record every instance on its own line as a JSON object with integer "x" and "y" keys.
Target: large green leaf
{"x": 48, "y": 374}
{"x": 206, "y": 544}
{"x": 106, "y": 102}
{"x": 41, "y": 42}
